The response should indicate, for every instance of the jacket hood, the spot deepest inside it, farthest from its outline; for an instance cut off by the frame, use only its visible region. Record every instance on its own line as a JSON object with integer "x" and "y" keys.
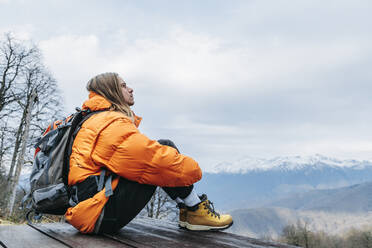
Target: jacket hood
{"x": 96, "y": 102}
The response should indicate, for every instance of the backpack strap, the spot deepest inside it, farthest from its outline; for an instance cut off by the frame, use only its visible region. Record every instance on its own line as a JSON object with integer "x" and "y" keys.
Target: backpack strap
{"x": 76, "y": 124}
{"x": 101, "y": 181}
{"x": 75, "y": 128}
{"x": 108, "y": 191}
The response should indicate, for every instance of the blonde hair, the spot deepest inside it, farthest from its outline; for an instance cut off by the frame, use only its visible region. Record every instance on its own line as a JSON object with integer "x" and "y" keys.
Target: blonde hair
{"x": 108, "y": 85}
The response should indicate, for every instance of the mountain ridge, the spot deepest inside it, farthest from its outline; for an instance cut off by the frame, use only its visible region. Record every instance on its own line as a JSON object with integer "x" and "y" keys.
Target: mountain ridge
{"x": 248, "y": 164}
{"x": 354, "y": 198}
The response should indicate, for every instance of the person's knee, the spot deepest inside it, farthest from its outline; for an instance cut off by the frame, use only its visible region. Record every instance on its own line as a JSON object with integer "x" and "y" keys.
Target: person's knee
{"x": 168, "y": 142}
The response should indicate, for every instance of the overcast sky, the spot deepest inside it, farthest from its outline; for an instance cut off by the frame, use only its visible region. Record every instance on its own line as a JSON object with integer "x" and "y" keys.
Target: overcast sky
{"x": 223, "y": 79}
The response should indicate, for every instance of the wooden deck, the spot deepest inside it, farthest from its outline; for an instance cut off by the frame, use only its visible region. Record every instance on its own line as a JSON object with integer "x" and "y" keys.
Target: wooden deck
{"x": 141, "y": 233}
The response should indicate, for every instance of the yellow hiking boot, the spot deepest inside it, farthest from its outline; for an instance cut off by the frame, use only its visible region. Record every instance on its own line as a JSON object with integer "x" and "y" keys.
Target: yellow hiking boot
{"x": 183, "y": 215}
{"x": 205, "y": 218}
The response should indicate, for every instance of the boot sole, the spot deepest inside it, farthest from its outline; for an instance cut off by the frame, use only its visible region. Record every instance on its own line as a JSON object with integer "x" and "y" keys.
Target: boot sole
{"x": 206, "y": 228}
{"x": 182, "y": 224}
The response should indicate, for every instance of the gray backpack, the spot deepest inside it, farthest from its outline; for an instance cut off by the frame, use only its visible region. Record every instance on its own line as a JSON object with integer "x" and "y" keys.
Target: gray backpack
{"x": 49, "y": 191}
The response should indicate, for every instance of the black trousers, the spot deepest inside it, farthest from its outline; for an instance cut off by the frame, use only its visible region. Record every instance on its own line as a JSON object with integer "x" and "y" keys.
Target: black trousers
{"x": 130, "y": 198}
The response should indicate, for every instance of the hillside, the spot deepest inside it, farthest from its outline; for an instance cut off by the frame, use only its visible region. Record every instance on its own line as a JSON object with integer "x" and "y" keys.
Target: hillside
{"x": 333, "y": 211}
{"x": 265, "y": 222}
{"x": 352, "y": 199}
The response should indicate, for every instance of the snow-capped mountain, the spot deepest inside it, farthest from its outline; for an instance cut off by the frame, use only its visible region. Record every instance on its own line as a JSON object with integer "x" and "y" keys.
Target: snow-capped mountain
{"x": 318, "y": 161}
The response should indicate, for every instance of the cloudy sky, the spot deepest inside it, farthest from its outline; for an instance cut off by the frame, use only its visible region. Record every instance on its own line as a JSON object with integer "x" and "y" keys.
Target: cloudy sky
{"x": 223, "y": 79}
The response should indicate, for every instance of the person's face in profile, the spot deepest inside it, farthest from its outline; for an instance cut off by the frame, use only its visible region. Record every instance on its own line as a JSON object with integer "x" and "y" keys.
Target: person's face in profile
{"x": 127, "y": 92}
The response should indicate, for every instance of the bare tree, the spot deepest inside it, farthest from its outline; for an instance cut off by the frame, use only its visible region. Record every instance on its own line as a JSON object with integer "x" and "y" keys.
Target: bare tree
{"x": 13, "y": 57}
{"x": 39, "y": 85}
{"x": 30, "y": 99}
{"x": 160, "y": 205}
{"x": 17, "y": 143}
{"x": 6, "y": 140}
{"x": 49, "y": 104}
{"x": 15, "y": 179}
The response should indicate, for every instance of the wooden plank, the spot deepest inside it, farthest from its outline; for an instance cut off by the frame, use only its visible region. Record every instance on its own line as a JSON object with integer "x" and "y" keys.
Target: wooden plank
{"x": 144, "y": 239}
{"x": 127, "y": 240}
{"x": 72, "y": 237}
{"x": 184, "y": 238}
{"x": 20, "y": 236}
{"x": 213, "y": 237}
{"x": 140, "y": 233}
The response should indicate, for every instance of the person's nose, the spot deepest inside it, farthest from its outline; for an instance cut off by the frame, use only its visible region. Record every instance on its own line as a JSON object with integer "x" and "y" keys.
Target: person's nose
{"x": 130, "y": 90}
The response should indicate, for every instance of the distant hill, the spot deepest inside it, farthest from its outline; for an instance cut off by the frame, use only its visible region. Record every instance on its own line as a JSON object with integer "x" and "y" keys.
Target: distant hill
{"x": 259, "y": 222}
{"x": 266, "y": 222}
{"x": 251, "y": 182}
{"x": 355, "y": 198}
{"x": 334, "y": 211}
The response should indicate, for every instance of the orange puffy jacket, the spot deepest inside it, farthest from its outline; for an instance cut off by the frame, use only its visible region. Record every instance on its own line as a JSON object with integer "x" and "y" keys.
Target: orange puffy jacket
{"x": 110, "y": 139}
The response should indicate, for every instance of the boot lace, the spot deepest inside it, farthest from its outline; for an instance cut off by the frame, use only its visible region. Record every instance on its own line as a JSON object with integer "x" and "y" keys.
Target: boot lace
{"x": 210, "y": 207}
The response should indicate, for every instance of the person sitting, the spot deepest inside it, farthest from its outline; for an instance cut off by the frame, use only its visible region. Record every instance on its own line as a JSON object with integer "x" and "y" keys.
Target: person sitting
{"x": 133, "y": 165}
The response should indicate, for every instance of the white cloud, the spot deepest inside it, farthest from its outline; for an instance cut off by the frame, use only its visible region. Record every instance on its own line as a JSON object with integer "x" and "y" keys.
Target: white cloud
{"x": 182, "y": 61}
{"x": 73, "y": 60}
{"x": 190, "y": 62}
